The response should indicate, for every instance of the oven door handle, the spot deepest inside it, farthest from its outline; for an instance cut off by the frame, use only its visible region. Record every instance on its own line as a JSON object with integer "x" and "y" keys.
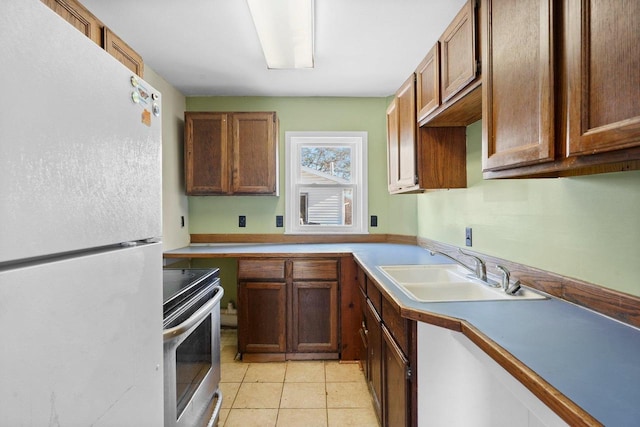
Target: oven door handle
{"x": 216, "y": 411}
{"x": 195, "y": 319}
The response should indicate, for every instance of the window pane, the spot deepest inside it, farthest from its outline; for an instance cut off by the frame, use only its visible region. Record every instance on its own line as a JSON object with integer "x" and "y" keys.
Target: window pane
{"x": 325, "y": 164}
{"x": 326, "y": 206}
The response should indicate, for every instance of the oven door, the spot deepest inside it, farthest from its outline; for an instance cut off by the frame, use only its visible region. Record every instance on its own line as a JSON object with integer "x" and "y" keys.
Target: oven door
{"x": 192, "y": 360}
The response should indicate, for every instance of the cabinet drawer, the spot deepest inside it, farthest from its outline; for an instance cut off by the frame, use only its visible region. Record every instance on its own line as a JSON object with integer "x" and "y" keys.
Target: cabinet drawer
{"x": 396, "y": 325}
{"x": 261, "y": 269}
{"x": 325, "y": 269}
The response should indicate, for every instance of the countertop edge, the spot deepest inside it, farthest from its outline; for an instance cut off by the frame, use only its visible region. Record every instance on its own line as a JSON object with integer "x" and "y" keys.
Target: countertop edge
{"x": 562, "y": 405}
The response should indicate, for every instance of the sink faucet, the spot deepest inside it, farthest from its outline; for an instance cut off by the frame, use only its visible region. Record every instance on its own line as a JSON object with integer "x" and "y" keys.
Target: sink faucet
{"x": 480, "y": 267}
{"x": 479, "y": 270}
{"x": 510, "y": 289}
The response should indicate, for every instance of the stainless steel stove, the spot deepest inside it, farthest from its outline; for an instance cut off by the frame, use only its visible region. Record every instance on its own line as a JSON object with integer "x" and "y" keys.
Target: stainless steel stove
{"x": 191, "y": 309}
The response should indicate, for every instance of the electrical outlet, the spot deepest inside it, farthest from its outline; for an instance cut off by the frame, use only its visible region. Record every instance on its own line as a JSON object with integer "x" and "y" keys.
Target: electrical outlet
{"x": 374, "y": 220}
{"x": 242, "y": 221}
{"x": 279, "y": 221}
{"x": 468, "y": 236}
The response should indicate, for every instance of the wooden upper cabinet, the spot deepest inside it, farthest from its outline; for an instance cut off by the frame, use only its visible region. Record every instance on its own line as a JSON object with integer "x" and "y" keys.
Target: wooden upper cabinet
{"x": 231, "y": 153}
{"x": 78, "y": 16}
{"x": 428, "y": 83}
{"x": 393, "y": 146}
{"x": 206, "y": 147}
{"x": 117, "y": 48}
{"x": 406, "y": 97}
{"x": 254, "y": 160}
{"x": 401, "y": 139}
{"x": 603, "y": 68}
{"x": 422, "y": 158}
{"x": 449, "y": 78}
{"x": 458, "y": 63}
{"x": 561, "y": 88}
{"x": 518, "y": 107}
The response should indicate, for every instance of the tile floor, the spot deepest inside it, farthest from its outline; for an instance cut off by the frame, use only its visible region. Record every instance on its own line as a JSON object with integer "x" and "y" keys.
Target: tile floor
{"x": 292, "y": 393}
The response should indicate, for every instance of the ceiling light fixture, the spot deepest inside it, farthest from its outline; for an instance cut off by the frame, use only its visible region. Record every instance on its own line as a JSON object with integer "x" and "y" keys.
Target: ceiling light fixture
{"x": 285, "y": 30}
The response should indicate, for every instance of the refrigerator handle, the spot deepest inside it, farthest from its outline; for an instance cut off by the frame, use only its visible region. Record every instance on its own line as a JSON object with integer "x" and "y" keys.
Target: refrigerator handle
{"x": 197, "y": 317}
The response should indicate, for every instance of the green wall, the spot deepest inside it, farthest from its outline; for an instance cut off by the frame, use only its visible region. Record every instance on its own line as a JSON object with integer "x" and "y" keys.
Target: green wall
{"x": 219, "y": 214}
{"x": 583, "y": 227}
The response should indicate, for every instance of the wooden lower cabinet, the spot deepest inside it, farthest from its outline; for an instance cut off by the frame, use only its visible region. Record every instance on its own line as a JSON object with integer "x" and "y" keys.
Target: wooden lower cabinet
{"x": 261, "y": 322}
{"x": 391, "y": 358}
{"x": 288, "y": 308}
{"x": 397, "y": 384}
{"x": 374, "y": 357}
{"x": 315, "y": 317}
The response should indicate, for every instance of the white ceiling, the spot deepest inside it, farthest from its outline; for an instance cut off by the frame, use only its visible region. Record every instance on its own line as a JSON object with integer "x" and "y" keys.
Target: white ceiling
{"x": 210, "y": 47}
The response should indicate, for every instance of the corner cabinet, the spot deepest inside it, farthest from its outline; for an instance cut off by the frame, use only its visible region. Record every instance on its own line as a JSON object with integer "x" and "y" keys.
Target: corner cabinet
{"x": 421, "y": 158}
{"x": 427, "y": 119}
{"x": 288, "y": 308}
{"x": 560, "y": 88}
{"x": 231, "y": 153}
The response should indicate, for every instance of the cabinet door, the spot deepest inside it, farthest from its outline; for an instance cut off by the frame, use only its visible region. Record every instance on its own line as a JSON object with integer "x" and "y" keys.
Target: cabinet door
{"x": 393, "y": 147}
{"x": 458, "y": 52}
{"x": 603, "y": 68}
{"x": 407, "y": 133}
{"x": 117, "y": 48}
{"x": 428, "y": 83}
{"x": 315, "y": 317}
{"x": 401, "y": 139}
{"x": 262, "y": 317}
{"x": 206, "y": 157}
{"x": 78, "y": 16}
{"x": 517, "y": 87}
{"x": 397, "y": 385}
{"x": 254, "y": 141}
{"x": 374, "y": 357}
{"x": 364, "y": 334}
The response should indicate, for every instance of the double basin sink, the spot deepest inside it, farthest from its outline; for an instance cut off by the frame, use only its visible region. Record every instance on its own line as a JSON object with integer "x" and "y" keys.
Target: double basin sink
{"x": 448, "y": 283}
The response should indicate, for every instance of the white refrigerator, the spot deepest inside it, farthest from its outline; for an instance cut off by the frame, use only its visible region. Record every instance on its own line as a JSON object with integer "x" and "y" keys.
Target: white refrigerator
{"x": 80, "y": 229}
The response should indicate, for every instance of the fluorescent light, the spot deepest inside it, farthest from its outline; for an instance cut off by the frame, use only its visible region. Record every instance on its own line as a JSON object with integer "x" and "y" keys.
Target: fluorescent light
{"x": 285, "y": 30}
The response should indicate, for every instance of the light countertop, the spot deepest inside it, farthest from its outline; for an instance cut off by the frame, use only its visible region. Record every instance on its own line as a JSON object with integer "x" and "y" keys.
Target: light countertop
{"x": 591, "y": 359}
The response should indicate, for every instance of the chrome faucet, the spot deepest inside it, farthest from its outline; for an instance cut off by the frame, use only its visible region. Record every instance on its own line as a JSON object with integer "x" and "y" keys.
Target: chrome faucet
{"x": 480, "y": 267}
{"x": 479, "y": 270}
{"x": 506, "y": 276}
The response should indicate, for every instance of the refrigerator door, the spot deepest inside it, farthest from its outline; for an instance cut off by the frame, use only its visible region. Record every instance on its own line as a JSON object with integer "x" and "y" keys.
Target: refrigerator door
{"x": 80, "y": 161}
{"x": 82, "y": 341}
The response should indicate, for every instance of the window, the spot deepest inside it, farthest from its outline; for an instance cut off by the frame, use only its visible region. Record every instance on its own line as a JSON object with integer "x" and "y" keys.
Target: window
{"x": 326, "y": 177}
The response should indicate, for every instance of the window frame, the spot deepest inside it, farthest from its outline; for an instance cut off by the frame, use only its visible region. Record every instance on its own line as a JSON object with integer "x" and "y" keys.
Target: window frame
{"x": 358, "y": 141}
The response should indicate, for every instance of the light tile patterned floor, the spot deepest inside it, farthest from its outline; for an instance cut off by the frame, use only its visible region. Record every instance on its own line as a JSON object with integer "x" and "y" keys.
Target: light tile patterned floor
{"x": 293, "y": 393}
